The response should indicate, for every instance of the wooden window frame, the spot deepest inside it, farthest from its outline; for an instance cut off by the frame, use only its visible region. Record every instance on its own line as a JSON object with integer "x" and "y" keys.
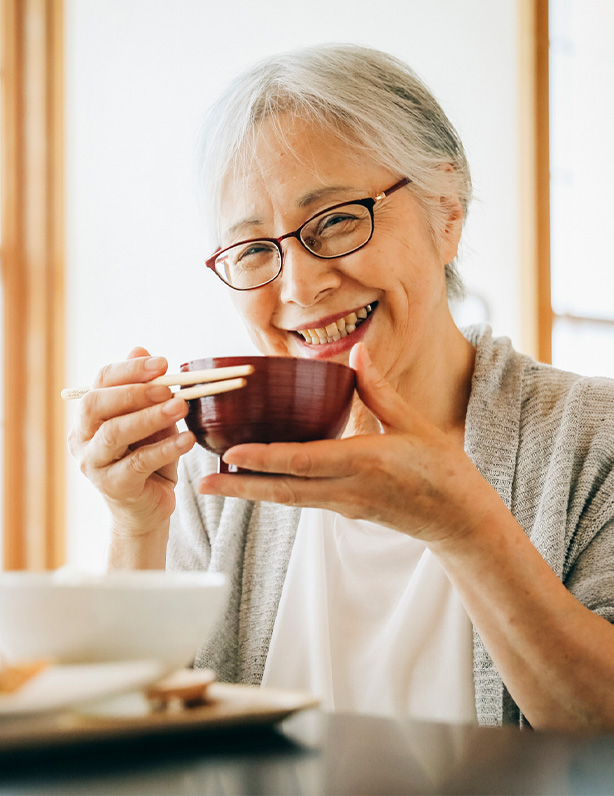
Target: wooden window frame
{"x": 538, "y": 315}
{"x": 534, "y": 117}
{"x": 33, "y": 284}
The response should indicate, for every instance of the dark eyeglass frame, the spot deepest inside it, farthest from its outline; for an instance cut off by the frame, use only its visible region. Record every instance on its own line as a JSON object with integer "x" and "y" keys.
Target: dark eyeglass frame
{"x": 370, "y": 203}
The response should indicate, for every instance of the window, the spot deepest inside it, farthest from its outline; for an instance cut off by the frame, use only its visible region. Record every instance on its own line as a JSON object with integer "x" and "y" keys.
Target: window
{"x": 582, "y": 171}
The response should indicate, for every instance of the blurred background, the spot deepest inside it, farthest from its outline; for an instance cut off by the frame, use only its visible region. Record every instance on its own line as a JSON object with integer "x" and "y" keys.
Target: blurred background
{"x": 101, "y": 242}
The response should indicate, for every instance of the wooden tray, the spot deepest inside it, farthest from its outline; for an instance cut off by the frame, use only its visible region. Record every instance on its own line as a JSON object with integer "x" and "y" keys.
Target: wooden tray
{"x": 228, "y": 707}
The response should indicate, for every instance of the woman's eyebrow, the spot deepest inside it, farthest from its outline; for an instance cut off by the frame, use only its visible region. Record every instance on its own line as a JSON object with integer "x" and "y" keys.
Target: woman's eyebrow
{"x": 244, "y": 223}
{"x": 321, "y": 193}
{"x": 303, "y": 201}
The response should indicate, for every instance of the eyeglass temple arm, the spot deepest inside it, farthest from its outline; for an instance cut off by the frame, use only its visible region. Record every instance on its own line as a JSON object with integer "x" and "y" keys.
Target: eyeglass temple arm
{"x": 401, "y": 184}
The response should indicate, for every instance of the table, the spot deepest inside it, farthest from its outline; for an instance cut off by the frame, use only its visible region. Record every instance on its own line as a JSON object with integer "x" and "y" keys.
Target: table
{"x": 314, "y": 753}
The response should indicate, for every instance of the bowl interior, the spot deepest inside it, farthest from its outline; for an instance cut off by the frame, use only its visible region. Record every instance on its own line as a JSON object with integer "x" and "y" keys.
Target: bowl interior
{"x": 286, "y": 399}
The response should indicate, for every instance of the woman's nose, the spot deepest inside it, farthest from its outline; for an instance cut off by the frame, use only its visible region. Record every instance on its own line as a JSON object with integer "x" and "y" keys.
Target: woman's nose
{"x": 305, "y": 278}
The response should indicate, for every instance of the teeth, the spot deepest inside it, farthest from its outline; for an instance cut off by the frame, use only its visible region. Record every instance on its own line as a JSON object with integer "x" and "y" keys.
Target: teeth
{"x": 331, "y": 329}
{"x": 337, "y": 329}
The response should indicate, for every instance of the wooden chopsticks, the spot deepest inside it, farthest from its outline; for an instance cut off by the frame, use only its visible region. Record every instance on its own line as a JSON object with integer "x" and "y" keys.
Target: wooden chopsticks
{"x": 206, "y": 382}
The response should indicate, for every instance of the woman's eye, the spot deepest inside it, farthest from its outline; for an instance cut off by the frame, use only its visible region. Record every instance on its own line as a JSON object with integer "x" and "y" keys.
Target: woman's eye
{"x": 336, "y": 222}
{"x": 253, "y": 251}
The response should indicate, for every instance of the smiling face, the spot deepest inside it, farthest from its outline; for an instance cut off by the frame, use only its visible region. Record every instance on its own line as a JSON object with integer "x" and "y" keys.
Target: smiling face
{"x": 391, "y": 294}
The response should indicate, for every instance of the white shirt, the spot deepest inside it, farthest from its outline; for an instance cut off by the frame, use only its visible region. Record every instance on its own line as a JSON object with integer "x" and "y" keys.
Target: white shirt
{"x": 369, "y": 622}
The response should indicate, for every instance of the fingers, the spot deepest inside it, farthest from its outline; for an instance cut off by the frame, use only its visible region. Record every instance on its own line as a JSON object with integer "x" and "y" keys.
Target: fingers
{"x": 113, "y": 438}
{"x": 138, "y": 351}
{"x": 100, "y": 405}
{"x": 124, "y": 411}
{"x": 124, "y": 479}
{"x": 126, "y": 441}
{"x": 378, "y": 395}
{"x": 286, "y": 490}
{"x": 133, "y": 370}
{"x": 303, "y": 472}
{"x": 341, "y": 475}
{"x": 319, "y": 459}
{"x": 125, "y": 391}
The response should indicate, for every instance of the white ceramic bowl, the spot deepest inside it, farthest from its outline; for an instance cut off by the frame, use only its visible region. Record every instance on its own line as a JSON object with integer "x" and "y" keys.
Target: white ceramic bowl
{"x": 73, "y": 618}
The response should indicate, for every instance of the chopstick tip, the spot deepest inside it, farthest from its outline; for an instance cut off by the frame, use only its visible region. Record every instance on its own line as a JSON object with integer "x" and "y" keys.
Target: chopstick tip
{"x": 71, "y": 394}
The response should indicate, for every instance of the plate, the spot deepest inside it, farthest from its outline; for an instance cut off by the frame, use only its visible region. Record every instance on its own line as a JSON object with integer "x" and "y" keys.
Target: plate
{"x": 228, "y": 707}
{"x": 60, "y": 686}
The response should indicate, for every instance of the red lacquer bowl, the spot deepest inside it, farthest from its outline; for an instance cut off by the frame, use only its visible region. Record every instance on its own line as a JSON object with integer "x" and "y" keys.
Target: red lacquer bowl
{"x": 286, "y": 399}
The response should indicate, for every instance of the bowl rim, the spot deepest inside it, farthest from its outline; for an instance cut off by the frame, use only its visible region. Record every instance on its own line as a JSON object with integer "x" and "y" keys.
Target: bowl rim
{"x": 256, "y": 358}
{"x": 141, "y": 580}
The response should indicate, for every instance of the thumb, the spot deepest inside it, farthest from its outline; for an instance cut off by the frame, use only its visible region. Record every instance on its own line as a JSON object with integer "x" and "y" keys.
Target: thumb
{"x": 377, "y": 394}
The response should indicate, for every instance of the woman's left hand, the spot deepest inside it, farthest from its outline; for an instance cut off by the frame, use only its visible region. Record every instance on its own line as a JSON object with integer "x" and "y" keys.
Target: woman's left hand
{"x": 412, "y": 477}
{"x": 554, "y": 654}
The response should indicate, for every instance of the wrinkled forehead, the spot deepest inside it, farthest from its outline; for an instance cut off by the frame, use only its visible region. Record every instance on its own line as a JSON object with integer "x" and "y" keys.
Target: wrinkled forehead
{"x": 283, "y": 151}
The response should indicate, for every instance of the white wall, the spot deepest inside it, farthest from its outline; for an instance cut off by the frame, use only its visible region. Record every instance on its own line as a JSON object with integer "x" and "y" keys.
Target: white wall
{"x": 139, "y": 76}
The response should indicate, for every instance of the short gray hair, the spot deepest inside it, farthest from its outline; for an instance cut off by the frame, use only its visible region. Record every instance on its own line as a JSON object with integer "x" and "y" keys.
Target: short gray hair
{"x": 357, "y": 92}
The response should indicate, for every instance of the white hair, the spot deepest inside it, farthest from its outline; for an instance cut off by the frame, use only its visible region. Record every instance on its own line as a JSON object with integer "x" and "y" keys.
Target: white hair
{"x": 371, "y": 99}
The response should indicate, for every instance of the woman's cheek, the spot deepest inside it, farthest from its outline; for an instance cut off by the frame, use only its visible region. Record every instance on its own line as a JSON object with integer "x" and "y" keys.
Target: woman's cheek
{"x": 256, "y": 309}
{"x": 251, "y": 311}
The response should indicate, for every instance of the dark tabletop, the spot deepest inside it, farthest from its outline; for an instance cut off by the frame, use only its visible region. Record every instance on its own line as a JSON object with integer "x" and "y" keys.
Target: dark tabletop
{"x": 316, "y": 754}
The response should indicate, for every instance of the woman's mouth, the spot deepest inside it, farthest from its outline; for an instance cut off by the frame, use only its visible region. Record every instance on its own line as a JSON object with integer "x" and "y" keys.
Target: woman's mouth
{"x": 342, "y": 327}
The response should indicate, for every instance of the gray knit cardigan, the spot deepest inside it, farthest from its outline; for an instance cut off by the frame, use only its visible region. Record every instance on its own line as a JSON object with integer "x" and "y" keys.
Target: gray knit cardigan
{"x": 543, "y": 438}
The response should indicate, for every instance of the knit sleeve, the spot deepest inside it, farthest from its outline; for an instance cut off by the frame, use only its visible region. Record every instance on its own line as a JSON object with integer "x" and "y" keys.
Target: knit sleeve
{"x": 591, "y": 579}
{"x": 590, "y": 556}
{"x": 194, "y": 521}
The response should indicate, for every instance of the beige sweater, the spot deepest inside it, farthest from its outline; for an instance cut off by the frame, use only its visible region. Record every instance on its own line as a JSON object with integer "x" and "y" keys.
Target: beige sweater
{"x": 543, "y": 438}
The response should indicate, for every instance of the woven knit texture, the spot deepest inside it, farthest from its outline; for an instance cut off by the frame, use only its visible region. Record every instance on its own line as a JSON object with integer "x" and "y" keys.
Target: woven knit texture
{"x": 543, "y": 438}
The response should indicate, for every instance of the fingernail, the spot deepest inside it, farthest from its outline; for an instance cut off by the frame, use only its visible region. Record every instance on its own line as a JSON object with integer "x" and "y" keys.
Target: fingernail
{"x": 155, "y": 363}
{"x": 185, "y": 440}
{"x": 158, "y": 393}
{"x": 174, "y": 408}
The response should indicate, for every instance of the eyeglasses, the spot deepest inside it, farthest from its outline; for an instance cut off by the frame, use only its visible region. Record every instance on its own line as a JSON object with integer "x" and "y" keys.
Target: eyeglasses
{"x": 336, "y": 231}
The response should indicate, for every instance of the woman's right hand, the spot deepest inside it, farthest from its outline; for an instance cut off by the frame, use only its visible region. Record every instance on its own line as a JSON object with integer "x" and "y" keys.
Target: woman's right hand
{"x": 127, "y": 443}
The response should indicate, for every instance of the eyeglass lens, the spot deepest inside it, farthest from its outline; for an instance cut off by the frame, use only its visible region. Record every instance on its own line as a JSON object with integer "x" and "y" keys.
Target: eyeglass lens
{"x": 330, "y": 234}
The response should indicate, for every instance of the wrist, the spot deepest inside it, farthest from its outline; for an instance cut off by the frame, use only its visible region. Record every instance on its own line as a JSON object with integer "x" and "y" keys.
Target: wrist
{"x": 139, "y": 517}
{"x": 482, "y": 517}
{"x": 141, "y": 549}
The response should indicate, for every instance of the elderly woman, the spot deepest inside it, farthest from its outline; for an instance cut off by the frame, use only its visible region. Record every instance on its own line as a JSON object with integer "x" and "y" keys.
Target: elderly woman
{"x": 451, "y": 556}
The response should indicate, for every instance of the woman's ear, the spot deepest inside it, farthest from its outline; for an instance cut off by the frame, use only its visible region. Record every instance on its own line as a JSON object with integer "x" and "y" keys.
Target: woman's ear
{"x": 450, "y": 216}
{"x": 451, "y": 227}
